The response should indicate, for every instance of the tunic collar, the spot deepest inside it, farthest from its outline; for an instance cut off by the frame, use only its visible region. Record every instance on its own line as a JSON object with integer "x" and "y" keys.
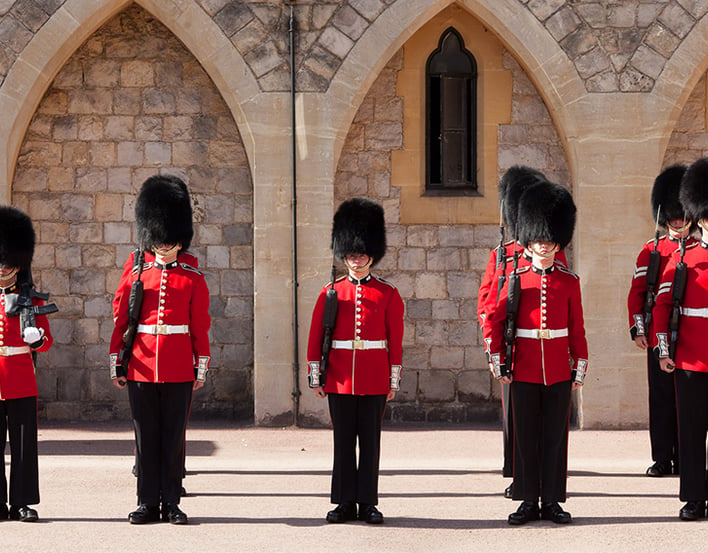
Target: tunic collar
{"x": 364, "y": 280}
{"x": 540, "y": 271}
{"x": 704, "y": 245}
{"x": 9, "y": 290}
{"x": 167, "y": 266}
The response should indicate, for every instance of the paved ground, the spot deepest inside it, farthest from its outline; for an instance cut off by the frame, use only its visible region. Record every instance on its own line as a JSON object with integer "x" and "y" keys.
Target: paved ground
{"x": 267, "y": 490}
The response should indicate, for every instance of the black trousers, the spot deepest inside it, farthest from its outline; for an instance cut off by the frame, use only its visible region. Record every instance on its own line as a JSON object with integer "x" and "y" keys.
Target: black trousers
{"x": 663, "y": 425}
{"x": 541, "y": 418}
{"x": 508, "y": 420}
{"x": 160, "y": 413}
{"x": 18, "y": 417}
{"x": 356, "y": 418}
{"x": 692, "y": 403}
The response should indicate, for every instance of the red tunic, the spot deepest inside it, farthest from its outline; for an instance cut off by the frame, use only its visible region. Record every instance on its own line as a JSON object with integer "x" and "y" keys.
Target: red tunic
{"x": 691, "y": 354}
{"x": 487, "y": 305}
{"x": 17, "y": 372}
{"x": 175, "y": 295}
{"x": 550, "y": 300}
{"x": 369, "y": 310}
{"x": 637, "y": 291}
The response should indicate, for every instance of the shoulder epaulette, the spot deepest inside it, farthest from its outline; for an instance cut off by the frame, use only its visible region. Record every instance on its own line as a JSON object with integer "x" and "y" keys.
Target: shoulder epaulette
{"x": 691, "y": 245}
{"x": 563, "y": 269}
{"x": 384, "y": 281}
{"x": 520, "y": 270}
{"x": 190, "y": 268}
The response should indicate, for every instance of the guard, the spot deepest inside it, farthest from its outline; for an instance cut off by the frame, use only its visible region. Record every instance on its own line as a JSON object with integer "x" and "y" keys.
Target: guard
{"x": 538, "y": 346}
{"x": 363, "y": 368}
{"x": 24, "y": 329}
{"x": 651, "y": 263}
{"x": 160, "y": 343}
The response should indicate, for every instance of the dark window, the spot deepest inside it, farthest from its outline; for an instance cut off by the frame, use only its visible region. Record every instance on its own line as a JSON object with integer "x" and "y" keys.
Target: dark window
{"x": 451, "y": 118}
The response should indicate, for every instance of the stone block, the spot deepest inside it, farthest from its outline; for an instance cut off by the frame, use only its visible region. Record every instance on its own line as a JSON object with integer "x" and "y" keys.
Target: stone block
{"x": 418, "y": 309}
{"x": 237, "y": 283}
{"x": 430, "y": 285}
{"x": 444, "y": 259}
{"x": 386, "y": 135}
{"x": 336, "y": 42}
{"x": 676, "y": 19}
{"x": 89, "y": 282}
{"x": 86, "y": 233}
{"x": 411, "y": 259}
{"x": 436, "y": 385}
{"x": 97, "y": 307}
{"x": 370, "y": 9}
{"x": 447, "y": 357}
{"x": 473, "y": 385}
{"x": 462, "y": 285}
{"x": 562, "y": 23}
{"x": 457, "y": 235}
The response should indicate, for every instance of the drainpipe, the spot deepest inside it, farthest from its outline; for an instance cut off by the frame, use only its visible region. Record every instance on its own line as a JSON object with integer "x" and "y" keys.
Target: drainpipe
{"x": 296, "y": 337}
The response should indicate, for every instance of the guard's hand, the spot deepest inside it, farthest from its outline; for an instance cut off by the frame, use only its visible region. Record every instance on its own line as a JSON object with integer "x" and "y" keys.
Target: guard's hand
{"x": 641, "y": 342}
{"x": 505, "y": 380}
{"x": 319, "y": 391}
{"x": 667, "y": 365}
{"x": 120, "y": 382}
{"x": 197, "y": 384}
{"x": 32, "y": 335}
{"x": 575, "y": 385}
{"x": 391, "y": 394}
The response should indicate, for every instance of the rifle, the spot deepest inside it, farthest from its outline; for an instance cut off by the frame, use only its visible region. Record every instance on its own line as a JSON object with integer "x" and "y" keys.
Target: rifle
{"x": 678, "y": 290}
{"x": 512, "y": 308}
{"x": 135, "y": 303}
{"x": 652, "y": 277}
{"x": 501, "y": 253}
{"x": 21, "y": 304}
{"x": 329, "y": 321}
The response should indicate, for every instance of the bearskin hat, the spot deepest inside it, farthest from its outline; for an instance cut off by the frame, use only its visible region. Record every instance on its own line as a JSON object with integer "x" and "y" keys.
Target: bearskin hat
{"x": 16, "y": 238}
{"x": 546, "y": 214}
{"x": 358, "y": 227}
{"x": 511, "y": 187}
{"x": 665, "y": 195}
{"x": 163, "y": 213}
{"x": 694, "y": 190}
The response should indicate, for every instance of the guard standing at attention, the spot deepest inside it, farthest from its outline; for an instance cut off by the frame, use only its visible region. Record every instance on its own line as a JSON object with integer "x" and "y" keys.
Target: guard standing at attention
{"x": 356, "y": 361}
{"x": 538, "y": 346}
{"x": 681, "y": 317}
{"x": 501, "y": 261}
{"x": 160, "y": 343}
{"x": 24, "y": 329}
{"x": 651, "y": 262}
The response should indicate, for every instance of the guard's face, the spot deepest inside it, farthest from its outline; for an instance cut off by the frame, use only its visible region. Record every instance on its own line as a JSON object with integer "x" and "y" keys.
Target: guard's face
{"x": 358, "y": 263}
{"x": 543, "y": 249}
{"x": 166, "y": 250}
{"x": 679, "y": 228}
{"x": 8, "y": 273}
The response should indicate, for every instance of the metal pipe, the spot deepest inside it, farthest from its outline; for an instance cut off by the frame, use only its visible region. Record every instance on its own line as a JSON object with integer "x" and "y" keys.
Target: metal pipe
{"x": 296, "y": 337}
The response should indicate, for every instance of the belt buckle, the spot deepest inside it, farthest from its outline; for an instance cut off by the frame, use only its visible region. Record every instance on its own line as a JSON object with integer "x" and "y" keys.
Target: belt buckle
{"x": 3, "y": 351}
{"x": 357, "y": 344}
{"x": 544, "y": 333}
{"x": 161, "y": 329}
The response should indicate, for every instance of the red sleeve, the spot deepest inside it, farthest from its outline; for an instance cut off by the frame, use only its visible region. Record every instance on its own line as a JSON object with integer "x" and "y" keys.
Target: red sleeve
{"x": 485, "y": 286}
{"x": 663, "y": 305}
{"x": 314, "y": 342}
{"x": 120, "y": 306}
{"x": 576, "y": 326}
{"x": 637, "y": 290}
{"x": 200, "y": 320}
{"x": 394, "y": 328}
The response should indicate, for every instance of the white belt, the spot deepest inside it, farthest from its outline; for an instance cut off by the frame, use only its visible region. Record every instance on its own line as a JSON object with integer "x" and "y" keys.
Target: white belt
{"x": 7, "y": 351}
{"x": 693, "y": 312}
{"x": 359, "y": 344}
{"x": 541, "y": 333}
{"x": 163, "y": 329}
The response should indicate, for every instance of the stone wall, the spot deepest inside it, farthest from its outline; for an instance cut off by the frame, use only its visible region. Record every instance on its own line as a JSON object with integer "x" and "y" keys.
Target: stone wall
{"x": 130, "y": 103}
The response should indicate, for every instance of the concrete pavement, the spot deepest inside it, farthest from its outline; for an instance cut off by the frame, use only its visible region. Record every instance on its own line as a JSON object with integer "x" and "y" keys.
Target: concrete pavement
{"x": 267, "y": 490}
